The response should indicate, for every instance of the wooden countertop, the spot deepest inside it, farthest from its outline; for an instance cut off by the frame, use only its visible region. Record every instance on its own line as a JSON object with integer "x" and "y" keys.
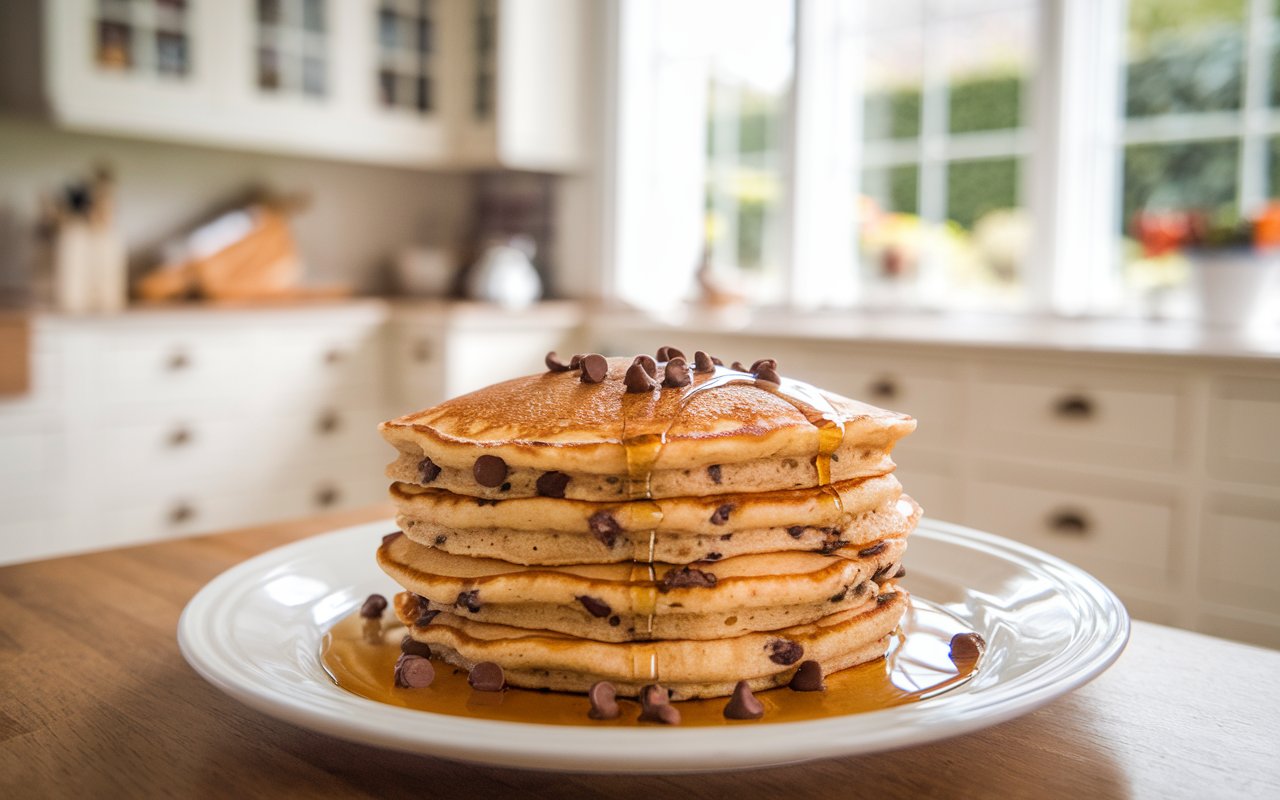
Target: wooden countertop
{"x": 96, "y": 701}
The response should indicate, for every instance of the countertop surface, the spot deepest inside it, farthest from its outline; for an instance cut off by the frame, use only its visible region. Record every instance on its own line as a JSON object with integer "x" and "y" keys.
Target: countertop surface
{"x": 96, "y": 701}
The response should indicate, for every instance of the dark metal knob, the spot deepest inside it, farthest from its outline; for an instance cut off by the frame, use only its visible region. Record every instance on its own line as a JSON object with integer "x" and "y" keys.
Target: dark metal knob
{"x": 883, "y": 388}
{"x": 180, "y": 436}
{"x": 178, "y": 361}
{"x": 1069, "y": 522}
{"x": 1074, "y": 406}
{"x": 422, "y": 351}
{"x": 327, "y": 496}
{"x": 181, "y": 513}
{"x": 328, "y": 422}
{"x": 334, "y": 356}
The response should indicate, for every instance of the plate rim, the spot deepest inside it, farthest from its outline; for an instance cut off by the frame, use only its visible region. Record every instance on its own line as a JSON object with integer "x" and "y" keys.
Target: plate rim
{"x": 548, "y": 747}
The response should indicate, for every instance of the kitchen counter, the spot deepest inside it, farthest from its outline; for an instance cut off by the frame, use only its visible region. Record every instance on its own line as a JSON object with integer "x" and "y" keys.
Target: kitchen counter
{"x": 98, "y": 702}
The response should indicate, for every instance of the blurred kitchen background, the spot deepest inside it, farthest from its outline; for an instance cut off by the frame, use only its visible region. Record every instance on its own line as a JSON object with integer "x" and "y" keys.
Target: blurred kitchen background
{"x": 235, "y": 235}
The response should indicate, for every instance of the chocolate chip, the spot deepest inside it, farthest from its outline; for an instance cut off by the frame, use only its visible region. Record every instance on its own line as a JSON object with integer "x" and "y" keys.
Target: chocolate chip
{"x": 487, "y": 677}
{"x": 441, "y": 539}
{"x": 650, "y": 366}
{"x": 389, "y": 536}
{"x": 677, "y": 374}
{"x": 424, "y": 619}
{"x": 604, "y": 703}
{"x": 373, "y": 606}
{"x": 784, "y": 651}
{"x": 702, "y": 362}
{"x": 768, "y": 374}
{"x": 594, "y": 368}
{"x": 490, "y": 471}
{"x": 761, "y": 363}
{"x": 615, "y": 620}
{"x": 795, "y": 531}
{"x": 605, "y": 527}
{"x": 506, "y": 487}
{"x": 661, "y": 353}
{"x": 686, "y": 578}
{"x": 554, "y": 364}
{"x": 412, "y": 647}
{"x": 808, "y": 678}
{"x": 721, "y": 515}
{"x": 967, "y": 648}
{"x": 428, "y": 471}
{"x": 839, "y": 596}
{"x": 883, "y": 572}
{"x": 738, "y": 366}
{"x": 668, "y": 353}
{"x": 743, "y": 704}
{"x": 576, "y": 361}
{"x": 881, "y": 599}
{"x": 413, "y": 672}
{"x": 552, "y": 484}
{"x": 860, "y": 588}
{"x": 726, "y": 537}
{"x": 486, "y": 501}
{"x": 901, "y": 573}
{"x": 470, "y": 600}
{"x": 638, "y": 380}
{"x": 655, "y": 706}
{"x": 595, "y": 606}
{"x": 717, "y": 362}
{"x": 713, "y": 472}
{"x": 874, "y": 550}
{"x": 712, "y": 557}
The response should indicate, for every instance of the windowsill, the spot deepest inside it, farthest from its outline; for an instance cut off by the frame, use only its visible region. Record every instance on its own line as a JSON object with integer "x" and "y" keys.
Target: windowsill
{"x": 963, "y": 330}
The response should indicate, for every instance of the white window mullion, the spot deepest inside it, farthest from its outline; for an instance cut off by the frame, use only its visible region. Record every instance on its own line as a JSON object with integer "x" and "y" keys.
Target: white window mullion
{"x": 1252, "y": 188}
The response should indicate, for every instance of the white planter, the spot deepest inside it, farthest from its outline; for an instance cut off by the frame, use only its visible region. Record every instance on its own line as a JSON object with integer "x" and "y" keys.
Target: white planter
{"x": 1235, "y": 288}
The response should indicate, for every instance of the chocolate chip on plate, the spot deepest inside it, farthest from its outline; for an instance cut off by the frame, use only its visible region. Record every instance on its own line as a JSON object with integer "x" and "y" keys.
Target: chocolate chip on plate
{"x": 604, "y": 703}
{"x": 808, "y": 678}
{"x": 594, "y": 368}
{"x": 373, "y": 606}
{"x": 677, "y": 374}
{"x": 638, "y": 379}
{"x": 486, "y": 677}
{"x": 655, "y": 706}
{"x": 784, "y": 651}
{"x": 413, "y": 672}
{"x": 595, "y": 606}
{"x": 967, "y": 648}
{"x": 554, "y": 364}
{"x": 489, "y": 471}
{"x": 412, "y": 647}
{"x": 428, "y": 470}
{"x": 702, "y": 362}
{"x": 552, "y": 484}
{"x": 743, "y": 704}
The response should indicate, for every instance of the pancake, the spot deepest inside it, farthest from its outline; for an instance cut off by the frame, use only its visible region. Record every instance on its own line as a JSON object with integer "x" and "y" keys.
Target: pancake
{"x": 728, "y": 432}
{"x": 627, "y": 602}
{"x": 535, "y": 659}
{"x": 544, "y": 530}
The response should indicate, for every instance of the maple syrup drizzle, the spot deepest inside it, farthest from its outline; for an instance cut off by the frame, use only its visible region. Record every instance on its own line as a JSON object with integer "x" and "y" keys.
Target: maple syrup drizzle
{"x": 916, "y": 667}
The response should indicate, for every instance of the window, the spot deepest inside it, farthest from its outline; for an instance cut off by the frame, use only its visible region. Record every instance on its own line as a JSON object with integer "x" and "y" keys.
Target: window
{"x": 988, "y": 154}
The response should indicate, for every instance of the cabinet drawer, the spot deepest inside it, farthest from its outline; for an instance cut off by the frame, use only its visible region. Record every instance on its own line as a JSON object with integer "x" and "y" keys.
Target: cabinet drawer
{"x": 1125, "y": 533}
{"x": 1240, "y": 553}
{"x": 1244, "y": 442}
{"x": 309, "y": 366}
{"x": 135, "y": 371}
{"x": 174, "y": 450}
{"x": 1077, "y": 414}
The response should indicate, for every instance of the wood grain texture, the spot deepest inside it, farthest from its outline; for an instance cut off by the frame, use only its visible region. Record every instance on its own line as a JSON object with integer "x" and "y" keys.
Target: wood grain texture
{"x": 96, "y": 701}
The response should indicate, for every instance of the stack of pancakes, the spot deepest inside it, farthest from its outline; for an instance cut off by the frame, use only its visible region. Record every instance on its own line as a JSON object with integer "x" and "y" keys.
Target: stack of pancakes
{"x": 649, "y": 521}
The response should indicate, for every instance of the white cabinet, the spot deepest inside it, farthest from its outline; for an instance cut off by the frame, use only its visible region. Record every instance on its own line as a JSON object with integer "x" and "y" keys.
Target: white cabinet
{"x": 443, "y": 83}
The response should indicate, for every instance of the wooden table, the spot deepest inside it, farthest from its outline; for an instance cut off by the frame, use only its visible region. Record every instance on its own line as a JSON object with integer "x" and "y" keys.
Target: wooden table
{"x": 96, "y": 701}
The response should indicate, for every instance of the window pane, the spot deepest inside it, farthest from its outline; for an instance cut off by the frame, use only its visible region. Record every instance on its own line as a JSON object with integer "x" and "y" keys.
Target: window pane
{"x": 1180, "y": 177}
{"x": 988, "y": 61}
{"x": 1184, "y": 56}
{"x": 892, "y": 86}
{"x": 976, "y": 188}
{"x": 893, "y": 188}
{"x": 1273, "y": 167}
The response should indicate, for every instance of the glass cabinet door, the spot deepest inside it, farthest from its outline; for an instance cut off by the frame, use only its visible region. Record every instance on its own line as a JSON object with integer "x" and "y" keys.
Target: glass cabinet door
{"x": 406, "y": 47}
{"x": 292, "y": 48}
{"x": 142, "y": 38}
{"x": 486, "y": 31}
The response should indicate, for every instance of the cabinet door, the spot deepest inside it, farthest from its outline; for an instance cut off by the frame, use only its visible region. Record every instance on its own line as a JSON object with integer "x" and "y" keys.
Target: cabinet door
{"x": 141, "y": 66}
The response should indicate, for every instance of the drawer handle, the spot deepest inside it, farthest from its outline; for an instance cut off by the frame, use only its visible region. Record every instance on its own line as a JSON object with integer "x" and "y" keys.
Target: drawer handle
{"x": 327, "y": 496}
{"x": 178, "y": 361}
{"x": 334, "y": 356}
{"x": 180, "y": 436}
{"x": 1074, "y": 406}
{"x": 422, "y": 351}
{"x": 883, "y": 389}
{"x": 328, "y": 422}
{"x": 182, "y": 512}
{"x": 1068, "y": 522}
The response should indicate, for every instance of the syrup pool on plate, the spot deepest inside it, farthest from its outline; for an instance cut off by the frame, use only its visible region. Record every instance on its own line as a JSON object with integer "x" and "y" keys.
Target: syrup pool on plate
{"x": 917, "y": 666}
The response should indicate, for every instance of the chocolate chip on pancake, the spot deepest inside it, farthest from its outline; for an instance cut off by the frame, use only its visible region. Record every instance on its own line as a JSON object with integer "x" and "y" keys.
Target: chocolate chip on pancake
{"x": 594, "y": 368}
{"x": 784, "y": 651}
{"x": 373, "y": 606}
{"x": 638, "y": 380}
{"x": 808, "y": 678}
{"x": 738, "y": 366}
{"x": 761, "y": 363}
{"x": 605, "y": 527}
{"x": 604, "y": 703}
{"x": 721, "y": 514}
{"x": 901, "y": 573}
{"x": 412, "y": 647}
{"x": 702, "y": 362}
{"x": 470, "y": 600}
{"x": 677, "y": 374}
{"x": 552, "y": 484}
{"x": 554, "y": 364}
{"x": 795, "y": 531}
{"x": 386, "y": 537}
{"x": 413, "y": 672}
{"x": 885, "y": 597}
{"x": 490, "y": 471}
{"x": 874, "y": 550}
{"x": 487, "y": 677}
{"x": 767, "y": 374}
{"x": 668, "y": 353}
{"x": 743, "y": 704}
{"x": 715, "y": 473}
{"x": 718, "y": 362}
{"x": 686, "y": 578}
{"x": 595, "y": 606}
{"x": 883, "y": 572}
{"x": 424, "y": 619}
{"x": 428, "y": 471}
{"x": 650, "y": 366}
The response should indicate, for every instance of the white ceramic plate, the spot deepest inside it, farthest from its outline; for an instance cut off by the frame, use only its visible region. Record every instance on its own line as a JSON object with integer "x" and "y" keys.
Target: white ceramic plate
{"x": 255, "y": 633}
